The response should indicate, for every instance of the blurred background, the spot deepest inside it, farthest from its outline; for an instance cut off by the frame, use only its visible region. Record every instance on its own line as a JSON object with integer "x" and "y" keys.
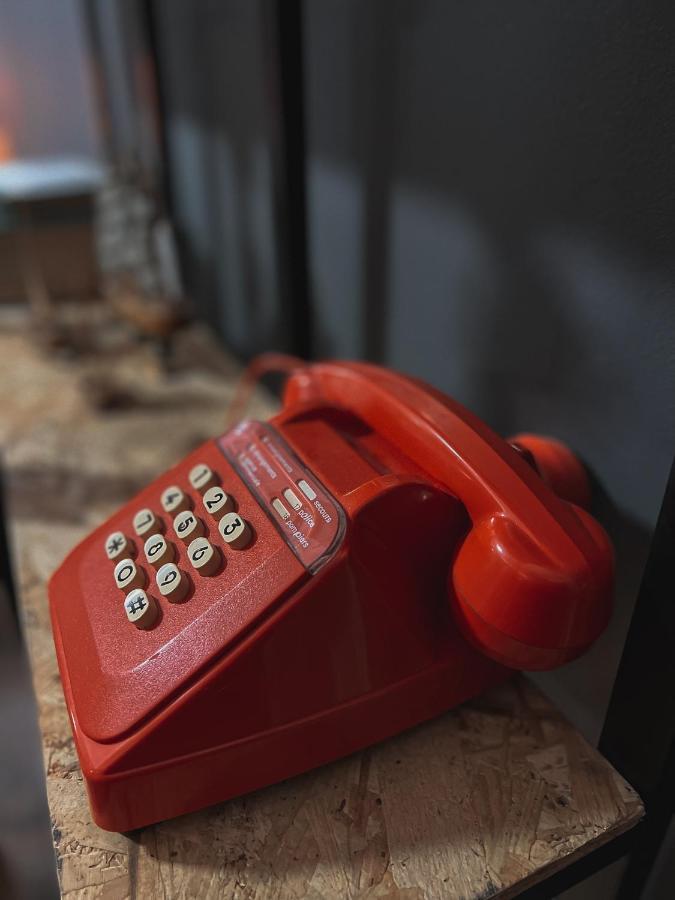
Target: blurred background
{"x": 479, "y": 194}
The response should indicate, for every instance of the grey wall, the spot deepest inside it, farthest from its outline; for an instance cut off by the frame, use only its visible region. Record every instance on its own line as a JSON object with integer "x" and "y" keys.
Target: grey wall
{"x": 45, "y": 99}
{"x": 213, "y": 75}
{"x": 491, "y": 209}
{"x": 490, "y": 204}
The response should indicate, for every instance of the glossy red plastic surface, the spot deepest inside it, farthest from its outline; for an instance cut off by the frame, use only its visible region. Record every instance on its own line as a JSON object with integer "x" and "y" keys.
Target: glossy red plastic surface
{"x": 454, "y": 563}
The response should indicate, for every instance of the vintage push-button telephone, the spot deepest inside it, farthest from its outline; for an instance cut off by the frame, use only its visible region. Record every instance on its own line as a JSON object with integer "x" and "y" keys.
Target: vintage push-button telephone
{"x": 293, "y": 591}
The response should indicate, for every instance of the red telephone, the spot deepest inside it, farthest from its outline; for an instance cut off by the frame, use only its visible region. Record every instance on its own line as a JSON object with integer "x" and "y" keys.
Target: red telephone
{"x": 296, "y": 590}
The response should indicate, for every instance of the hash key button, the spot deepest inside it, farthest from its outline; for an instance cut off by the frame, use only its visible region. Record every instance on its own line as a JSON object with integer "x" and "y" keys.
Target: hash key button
{"x": 141, "y": 610}
{"x": 201, "y": 477}
{"x": 235, "y": 531}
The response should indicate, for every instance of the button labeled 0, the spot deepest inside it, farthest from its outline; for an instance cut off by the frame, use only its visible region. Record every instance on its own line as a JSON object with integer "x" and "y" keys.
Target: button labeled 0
{"x": 128, "y": 576}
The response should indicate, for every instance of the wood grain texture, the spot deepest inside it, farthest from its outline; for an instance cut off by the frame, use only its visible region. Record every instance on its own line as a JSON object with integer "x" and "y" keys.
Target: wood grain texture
{"x": 480, "y": 802}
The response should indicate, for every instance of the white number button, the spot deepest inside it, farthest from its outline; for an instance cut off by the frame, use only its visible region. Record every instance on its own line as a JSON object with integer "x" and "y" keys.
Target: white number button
{"x": 308, "y": 491}
{"x": 216, "y": 501}
{"x": 158, "y": 551}
{"x": 117, "y": 544}
{"x": 141, "y": 610}
{"x": 173, "y": 500}
{"x": 144, "y": 521}
{"x": 204, "y": 556}
{"x": 201, "y": 477}
{"x": 187, "y": 526}
{"x": 172, "y": 583}
{"x": 127, "y": 576}
{"x": 235, "y": 531}
{"x": 292, "y": 498}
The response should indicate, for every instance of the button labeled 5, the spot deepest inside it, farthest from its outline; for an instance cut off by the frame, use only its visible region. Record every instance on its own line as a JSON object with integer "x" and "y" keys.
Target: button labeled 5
{"x": 187, "y": 526}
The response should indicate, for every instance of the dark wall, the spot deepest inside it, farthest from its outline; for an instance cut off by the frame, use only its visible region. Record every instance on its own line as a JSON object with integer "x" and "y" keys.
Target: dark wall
{"x": 214, "y": 82}
{"x": 490, "y": 207}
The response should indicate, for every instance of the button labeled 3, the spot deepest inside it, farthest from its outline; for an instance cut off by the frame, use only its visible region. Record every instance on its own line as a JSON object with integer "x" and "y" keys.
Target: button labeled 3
{"x": 235, "y": 531}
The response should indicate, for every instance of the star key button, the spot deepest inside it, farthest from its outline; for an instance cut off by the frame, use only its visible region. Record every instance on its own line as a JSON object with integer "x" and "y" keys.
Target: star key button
{"x": 117, "y": 544}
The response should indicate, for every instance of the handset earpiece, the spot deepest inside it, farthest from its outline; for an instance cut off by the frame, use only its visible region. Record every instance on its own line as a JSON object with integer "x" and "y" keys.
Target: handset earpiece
{"x": 531, "y": 584}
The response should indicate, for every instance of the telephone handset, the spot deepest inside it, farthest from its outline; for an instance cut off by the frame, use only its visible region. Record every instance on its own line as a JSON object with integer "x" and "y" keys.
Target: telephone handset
{"x": 532, "y": 579}
{"x": 298, "y": 589}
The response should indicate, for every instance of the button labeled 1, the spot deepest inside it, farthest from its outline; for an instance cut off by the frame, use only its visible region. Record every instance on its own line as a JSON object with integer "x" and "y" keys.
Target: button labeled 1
{"x": 201, "y": 477}
{"x": 235, "y": 531}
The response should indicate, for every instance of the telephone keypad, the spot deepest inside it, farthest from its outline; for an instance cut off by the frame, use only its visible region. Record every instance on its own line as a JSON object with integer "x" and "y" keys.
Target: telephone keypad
{"x": 235, "y": 531}
{"x": 201, "y": 477}
{"x": 188, "y": 526}
{"x": 204, "y": 556}
{"x": 128, "y": 576}
{"x": 171, "y": 583}
{"x": 158, "y": 551}
{"x": 217, "y": 502}
{"x": 145, "y": 522}
{"x": 141, "y": 610}
{"x": 173, "y": 500}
